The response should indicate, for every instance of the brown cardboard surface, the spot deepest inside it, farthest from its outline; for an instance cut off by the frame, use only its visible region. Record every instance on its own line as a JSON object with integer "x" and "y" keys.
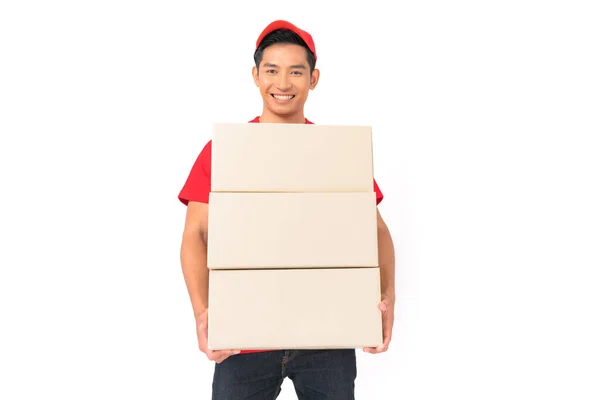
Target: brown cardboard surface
{"x": 291, "y": 158}
{"x": 292, "y": 230}
{"x": 294, "y": 309}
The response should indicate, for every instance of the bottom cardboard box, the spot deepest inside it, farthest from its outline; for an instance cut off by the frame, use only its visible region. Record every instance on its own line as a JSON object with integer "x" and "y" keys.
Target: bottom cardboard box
{"x": 294, "y": 309}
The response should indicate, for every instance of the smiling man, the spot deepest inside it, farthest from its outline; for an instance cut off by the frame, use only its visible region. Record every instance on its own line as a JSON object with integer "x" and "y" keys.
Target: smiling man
{"x": 284, "y": 72}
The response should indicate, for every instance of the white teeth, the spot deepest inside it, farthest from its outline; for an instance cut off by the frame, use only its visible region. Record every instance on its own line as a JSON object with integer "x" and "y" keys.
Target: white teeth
{"x": 280, "y": 97}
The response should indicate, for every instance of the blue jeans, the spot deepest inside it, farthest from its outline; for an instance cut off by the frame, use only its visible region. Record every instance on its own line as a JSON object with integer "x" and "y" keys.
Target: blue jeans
{"x": 316, "y": 374}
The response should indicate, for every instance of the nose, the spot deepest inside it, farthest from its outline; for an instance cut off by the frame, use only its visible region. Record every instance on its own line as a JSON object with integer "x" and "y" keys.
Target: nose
{"x": 283, "y": 82}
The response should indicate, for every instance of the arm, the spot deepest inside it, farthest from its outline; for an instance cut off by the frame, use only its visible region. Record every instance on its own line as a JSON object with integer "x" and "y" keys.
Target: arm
{"x": 196, "y": 274}
{"x": 387, "y": 261}
{"x": 193, "y": 255}
{"x": 388, "y": 284}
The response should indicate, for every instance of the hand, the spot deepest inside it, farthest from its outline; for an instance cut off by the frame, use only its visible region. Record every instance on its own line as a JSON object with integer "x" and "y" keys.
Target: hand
{"x": 387, "y": 310}
{"x": 202, "y": 331}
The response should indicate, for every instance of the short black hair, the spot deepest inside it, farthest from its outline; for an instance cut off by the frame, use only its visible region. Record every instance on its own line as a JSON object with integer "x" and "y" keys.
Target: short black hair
{"x": 280, "y": 36}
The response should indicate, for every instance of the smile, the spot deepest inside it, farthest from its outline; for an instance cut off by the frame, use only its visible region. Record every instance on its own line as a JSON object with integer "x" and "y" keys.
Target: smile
{"x": 283, "y": 96}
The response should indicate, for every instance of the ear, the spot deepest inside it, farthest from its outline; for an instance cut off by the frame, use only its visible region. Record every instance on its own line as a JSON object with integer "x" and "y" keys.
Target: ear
{"x": 255, "y": 75}
{"x": 314, "y": 79}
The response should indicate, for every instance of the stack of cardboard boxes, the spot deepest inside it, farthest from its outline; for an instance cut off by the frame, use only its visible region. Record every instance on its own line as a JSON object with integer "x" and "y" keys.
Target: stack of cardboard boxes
{"x": 292, "y": 238}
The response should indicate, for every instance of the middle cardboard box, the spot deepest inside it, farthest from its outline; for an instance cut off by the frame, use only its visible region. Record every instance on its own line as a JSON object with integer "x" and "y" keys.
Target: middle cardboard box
{"x": 292, "y": 230}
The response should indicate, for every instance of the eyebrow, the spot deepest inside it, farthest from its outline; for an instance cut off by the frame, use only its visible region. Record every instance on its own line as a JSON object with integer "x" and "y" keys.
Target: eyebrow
{"x": 271, "y": 65}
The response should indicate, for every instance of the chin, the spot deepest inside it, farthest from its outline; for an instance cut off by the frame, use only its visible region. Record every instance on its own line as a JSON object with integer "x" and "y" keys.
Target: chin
{"x": 282, "y": 108}
{"x": 284, "y": 111}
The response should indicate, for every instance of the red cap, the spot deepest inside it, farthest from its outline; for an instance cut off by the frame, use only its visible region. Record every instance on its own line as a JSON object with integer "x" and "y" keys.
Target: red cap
{"x": 280, "y": 24}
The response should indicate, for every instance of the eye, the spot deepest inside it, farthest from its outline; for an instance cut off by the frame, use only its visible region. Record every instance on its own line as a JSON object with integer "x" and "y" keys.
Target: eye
{"x": 271, "y": 71}
{"x": 297, "y": 73}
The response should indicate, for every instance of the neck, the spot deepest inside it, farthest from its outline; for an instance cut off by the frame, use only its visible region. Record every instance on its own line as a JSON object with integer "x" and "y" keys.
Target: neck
{"x": 269, "y": 117}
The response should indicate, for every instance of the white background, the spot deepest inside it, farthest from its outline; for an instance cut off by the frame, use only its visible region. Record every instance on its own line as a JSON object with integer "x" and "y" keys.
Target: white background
{"x": 486, "y": 121}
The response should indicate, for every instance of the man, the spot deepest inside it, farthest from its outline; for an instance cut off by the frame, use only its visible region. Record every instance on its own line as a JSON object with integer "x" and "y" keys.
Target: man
{"x": 284, "y": 73}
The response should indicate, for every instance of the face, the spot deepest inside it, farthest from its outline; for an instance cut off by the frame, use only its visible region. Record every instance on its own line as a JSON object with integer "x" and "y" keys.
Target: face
{"x": 284, "y": 80}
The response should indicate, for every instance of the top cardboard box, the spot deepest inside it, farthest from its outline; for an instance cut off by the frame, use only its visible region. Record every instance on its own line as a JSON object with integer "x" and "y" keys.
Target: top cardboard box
{"x": 267, "y": 157}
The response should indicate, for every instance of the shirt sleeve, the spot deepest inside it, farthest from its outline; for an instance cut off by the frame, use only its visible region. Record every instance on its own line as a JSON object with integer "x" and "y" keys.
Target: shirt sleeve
{"x": 197, "y": 185}
{"x": 378, "y": 193}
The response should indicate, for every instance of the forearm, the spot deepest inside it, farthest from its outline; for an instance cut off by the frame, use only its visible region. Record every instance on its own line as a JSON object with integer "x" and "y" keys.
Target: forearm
{"x": 195, "y": 272}
{"x": 387, "y": 263}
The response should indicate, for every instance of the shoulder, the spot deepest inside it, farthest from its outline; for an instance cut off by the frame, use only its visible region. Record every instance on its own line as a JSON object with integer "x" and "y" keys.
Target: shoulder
{"x": 204, "y": 158}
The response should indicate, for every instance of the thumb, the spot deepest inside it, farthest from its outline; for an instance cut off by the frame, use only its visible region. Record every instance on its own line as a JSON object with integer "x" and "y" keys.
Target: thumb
{"x": 383, "y": 305}
{"x": 202, "y": 325}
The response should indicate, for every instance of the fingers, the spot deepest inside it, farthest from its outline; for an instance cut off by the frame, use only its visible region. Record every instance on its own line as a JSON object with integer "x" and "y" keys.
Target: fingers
{"x": 202, "y": 330}
{"x": 379, "y": 349}
{"x": 220, "y": 355}
{"x": 372, "y": 350}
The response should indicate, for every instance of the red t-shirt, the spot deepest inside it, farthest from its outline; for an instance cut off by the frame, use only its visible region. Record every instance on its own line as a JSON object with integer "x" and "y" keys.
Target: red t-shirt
{"x": 197, "y": 185}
